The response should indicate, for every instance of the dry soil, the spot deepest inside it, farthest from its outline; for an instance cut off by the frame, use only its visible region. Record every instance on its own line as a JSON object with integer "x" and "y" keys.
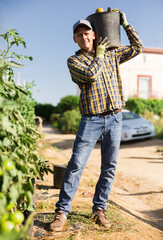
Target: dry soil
{"x": 137, "y": 188}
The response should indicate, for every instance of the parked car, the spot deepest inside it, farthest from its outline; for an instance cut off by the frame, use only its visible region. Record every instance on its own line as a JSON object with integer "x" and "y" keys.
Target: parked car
{"x": 135, "y": 127}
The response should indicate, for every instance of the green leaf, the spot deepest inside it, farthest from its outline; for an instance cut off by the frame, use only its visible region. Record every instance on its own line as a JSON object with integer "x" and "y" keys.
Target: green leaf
{"x": 30, "y": 208}
{"x": 6, "y": 182}
{"x": 21, "y": 90}
{"x": 3, "y": 205}
{"x": 29, "y": 196}
{"x": 20, "y": 175}
{"x": 6, "y": 124}
{"x": 24, "y": 44}
{"x": 30, "y": 58}
{"x": 15, "y": 191}
{"x": 19, "y": 129}
{"x": 14, "y": 64}
{"x": 6, "y": 142}
{"x": 14, "y": 172}
{"x": 1, "y": 100}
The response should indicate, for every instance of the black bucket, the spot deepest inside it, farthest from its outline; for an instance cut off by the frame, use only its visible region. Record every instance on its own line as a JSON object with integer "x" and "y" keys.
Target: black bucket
{"x": 59, "y": 171}
{"x": 106, "y": 24}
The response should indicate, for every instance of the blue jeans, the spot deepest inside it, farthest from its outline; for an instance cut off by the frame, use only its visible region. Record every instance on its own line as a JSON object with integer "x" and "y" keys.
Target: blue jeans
{"x": 91, "y": 128}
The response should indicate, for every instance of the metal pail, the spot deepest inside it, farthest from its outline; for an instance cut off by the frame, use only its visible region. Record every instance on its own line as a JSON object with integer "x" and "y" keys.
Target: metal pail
{"x": 106, "y": 24}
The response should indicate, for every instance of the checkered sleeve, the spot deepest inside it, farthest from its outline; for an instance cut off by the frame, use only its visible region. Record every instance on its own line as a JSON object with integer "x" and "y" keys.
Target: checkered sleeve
{"x": 81, "y": 72}
{"x": 125, "y": 53}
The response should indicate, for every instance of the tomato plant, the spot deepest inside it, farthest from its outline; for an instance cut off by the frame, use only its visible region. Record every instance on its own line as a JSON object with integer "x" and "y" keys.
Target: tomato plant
{"x": 20, "y": 164}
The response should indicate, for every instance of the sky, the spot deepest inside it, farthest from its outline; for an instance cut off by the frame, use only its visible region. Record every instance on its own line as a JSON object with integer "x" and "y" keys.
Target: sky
{"x": 46, "y": 26}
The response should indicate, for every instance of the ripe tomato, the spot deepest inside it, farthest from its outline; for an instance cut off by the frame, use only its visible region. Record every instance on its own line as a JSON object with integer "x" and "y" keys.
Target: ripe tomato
{"x": 99, "y": 10}
{"x": 8, "y": 165}
{"x": 17, "y": 217}
{"x": 115, "y": 10}
{"x": 7, "y": 226}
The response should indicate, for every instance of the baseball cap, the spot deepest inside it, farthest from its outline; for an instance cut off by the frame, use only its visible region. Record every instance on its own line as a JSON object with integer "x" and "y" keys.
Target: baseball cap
{"x": 82, "y": 22}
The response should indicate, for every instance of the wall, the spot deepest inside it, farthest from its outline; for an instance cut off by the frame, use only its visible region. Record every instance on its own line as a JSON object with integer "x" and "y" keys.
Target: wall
{"x": 148, "y": 63}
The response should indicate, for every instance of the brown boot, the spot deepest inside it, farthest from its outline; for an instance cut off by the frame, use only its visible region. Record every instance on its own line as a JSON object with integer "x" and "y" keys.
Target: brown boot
{"x": 100, "y": 218}
{"x": 58, "y": 222}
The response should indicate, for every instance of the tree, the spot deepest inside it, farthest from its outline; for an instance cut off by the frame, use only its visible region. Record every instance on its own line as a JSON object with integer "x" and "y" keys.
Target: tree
{"x": 69, "y": 102}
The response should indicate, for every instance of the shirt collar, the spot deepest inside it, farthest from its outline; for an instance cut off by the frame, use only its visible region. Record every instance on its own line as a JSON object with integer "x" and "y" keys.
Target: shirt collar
{"x": 85, "y": 52}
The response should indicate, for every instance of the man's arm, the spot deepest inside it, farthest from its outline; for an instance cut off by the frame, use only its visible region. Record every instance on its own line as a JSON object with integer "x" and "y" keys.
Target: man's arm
{"x": 83, "y": 73}
{"x": 136, "y": 46}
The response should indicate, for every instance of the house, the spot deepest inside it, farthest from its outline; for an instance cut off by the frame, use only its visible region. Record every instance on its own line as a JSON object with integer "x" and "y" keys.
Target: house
{"x": 142, "y": 76}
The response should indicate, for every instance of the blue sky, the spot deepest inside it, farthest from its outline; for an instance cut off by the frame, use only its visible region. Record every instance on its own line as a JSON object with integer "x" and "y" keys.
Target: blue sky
{"x": 46, "y": 26}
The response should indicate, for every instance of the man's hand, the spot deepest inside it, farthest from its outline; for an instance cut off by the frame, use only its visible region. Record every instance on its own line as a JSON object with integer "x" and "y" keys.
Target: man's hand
{"x": 102, "y": 45}
{"x": 123, "y": 20}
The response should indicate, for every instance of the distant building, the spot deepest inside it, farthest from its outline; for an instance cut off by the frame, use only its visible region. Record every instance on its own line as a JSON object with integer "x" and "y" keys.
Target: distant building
{"x": 142, "y": 76}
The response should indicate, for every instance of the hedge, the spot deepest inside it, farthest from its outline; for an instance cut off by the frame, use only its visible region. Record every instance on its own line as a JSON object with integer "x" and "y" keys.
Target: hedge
{"x": 44, "y": 110}
{"x": 139, "y": 105}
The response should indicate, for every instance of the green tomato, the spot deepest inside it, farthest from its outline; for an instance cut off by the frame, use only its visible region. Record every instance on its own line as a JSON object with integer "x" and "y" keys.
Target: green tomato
{"x": 8, "y": 165}
{"x": 7, "y": 226}
{"x": 10, "y": 206}
{"x": 17, "y": 217}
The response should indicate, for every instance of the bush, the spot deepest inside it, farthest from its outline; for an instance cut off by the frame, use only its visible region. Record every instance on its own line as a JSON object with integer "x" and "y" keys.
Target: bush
{"x": 44, "y": 111}
{"x": 158, "y": 128}
{"x": 69, "y": 102}
{"x": 69, "y": 121}
{"x": 139, "y": 105}
{"x": 54, "y": 118}
{"x": 157, "y": 122}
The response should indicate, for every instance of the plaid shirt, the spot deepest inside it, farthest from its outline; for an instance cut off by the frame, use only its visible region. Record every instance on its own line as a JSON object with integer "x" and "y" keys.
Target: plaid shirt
{"x": 99, "y": 79}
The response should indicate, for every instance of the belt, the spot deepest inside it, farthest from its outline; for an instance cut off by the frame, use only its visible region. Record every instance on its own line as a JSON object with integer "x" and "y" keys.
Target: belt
{"x": 106, "y": 113}
{"x": 109, "y": 112}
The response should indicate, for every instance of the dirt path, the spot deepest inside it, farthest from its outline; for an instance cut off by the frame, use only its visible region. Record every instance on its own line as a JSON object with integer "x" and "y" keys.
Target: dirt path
{"x": 137, "y": 188}
{"x": 138, "y": 185}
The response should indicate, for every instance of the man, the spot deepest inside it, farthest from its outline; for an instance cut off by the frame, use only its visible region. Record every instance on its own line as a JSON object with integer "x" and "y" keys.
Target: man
{"x": 96, "y": 72}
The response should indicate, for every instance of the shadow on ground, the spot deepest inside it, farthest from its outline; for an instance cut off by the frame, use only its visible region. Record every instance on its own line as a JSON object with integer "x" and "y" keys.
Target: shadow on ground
{"x": 157, "y": 216}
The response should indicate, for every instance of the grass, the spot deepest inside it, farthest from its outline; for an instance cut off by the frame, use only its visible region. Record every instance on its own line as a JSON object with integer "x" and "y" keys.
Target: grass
{"x": 157, "y": 122}
{"x": 42, "y": 205}
{"x": 91, "y": 182}
{"x": 80, "y": 224}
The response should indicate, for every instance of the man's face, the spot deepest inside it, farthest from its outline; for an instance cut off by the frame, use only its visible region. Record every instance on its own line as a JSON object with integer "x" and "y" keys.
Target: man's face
{"x": 84, "y": 38}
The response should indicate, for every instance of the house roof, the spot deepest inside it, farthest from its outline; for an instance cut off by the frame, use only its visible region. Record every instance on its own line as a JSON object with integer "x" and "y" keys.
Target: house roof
{"x": 153, "y": 50}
